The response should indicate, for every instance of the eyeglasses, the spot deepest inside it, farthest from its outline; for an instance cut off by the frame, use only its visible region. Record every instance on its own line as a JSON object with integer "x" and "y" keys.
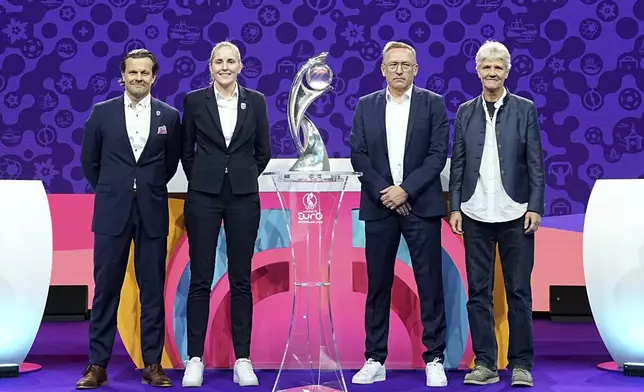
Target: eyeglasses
{"x": 406, "y": 67}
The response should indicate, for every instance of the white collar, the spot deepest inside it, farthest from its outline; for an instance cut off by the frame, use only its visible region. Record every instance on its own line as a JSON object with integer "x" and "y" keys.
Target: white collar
{"x": 407, "y": 93}
{"x": 219, "y": 95}
{"x": 145, "y": 102}
{"x": 499, "y": 102}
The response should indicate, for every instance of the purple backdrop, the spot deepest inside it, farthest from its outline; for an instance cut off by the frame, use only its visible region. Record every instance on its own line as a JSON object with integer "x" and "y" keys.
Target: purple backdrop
{"x": 582, "y": 61}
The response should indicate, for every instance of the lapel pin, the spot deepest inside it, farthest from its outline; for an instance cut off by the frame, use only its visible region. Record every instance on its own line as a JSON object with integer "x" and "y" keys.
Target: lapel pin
{"x": 243, "y": 105}
{"x": 158, "y": 112}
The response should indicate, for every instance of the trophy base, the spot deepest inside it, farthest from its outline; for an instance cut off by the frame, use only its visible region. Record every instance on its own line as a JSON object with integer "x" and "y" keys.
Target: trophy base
{"x": 311, "y": 361}
{"x": 304, "y": 164}
{"x": 310, "y": 388}
{"x": 314, "y": 157}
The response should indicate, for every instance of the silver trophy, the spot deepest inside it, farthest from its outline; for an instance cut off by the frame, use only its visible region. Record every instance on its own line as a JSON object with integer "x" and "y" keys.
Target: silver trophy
{"x": 312, "y": 151}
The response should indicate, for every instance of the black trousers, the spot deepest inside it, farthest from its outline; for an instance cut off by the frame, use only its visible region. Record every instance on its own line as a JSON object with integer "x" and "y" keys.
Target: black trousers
{"x": 110, "y": 264}
{"x": 517, "y": 259}
{"x": 204, "y": 213}
{"x": 423, "y": 236}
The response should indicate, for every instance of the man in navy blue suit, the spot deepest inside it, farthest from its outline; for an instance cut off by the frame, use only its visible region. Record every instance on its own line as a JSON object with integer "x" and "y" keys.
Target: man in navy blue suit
{"x": 399, "y": 142}
{"x": 131, "y": 150}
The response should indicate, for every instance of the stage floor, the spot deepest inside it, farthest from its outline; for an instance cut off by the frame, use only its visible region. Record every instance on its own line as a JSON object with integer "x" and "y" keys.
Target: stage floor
{"x": 567, "y": 355}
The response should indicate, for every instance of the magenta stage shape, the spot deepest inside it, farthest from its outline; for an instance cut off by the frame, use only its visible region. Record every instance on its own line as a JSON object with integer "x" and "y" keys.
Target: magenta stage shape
{"x": 28, "y": 367}
{"x": 610, "y": 366}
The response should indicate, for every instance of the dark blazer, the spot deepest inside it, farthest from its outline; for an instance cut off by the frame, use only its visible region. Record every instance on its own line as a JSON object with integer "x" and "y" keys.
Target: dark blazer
{"x": 425, "y": 153}
{"x": 110, "y": 168}
{"x": 519, "y": 148}
{"x": 248, "y": 153}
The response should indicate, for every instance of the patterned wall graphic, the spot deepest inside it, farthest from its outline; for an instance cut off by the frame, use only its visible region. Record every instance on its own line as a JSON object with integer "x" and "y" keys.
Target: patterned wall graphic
{"x": 582, "y": 61}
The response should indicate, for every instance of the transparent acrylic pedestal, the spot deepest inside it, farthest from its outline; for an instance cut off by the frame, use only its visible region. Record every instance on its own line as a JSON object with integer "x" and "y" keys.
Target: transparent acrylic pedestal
{"x": 312, "y": 199}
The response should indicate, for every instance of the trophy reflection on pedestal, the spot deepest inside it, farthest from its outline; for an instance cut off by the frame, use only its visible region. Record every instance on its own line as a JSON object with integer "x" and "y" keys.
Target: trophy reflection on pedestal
{"x": 311, "y": 194}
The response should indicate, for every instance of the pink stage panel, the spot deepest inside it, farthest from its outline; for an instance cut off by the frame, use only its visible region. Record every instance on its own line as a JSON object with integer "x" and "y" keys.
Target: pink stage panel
{"x": 73, "y": 241}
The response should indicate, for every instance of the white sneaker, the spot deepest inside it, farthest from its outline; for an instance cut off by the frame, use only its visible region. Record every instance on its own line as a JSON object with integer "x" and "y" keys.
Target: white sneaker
{"x": 435, "y": 374}
{"x": 244, "y": 374}
{"x": 372, "y": 371}
{"x": 193, "y": 376}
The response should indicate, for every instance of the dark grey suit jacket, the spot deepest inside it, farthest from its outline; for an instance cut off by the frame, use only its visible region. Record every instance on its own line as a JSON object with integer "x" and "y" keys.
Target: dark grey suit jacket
{"x": 518, "y": 145}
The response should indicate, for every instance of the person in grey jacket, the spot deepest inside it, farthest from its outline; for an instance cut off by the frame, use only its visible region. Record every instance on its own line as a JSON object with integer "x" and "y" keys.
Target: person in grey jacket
{"x": 496, "y": 188}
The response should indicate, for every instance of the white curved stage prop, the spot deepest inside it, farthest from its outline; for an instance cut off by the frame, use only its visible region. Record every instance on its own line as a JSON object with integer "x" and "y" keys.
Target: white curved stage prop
{"x": 26, "y": 251}
{"x": 613, "y": 249}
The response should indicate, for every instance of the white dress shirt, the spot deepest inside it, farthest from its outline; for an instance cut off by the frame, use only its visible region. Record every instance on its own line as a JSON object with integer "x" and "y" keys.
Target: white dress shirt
{"x": 490, "y": 202}
{"x": 227, "y": 112}
{"x": 396, "y": 119}
{"x": 137, "y": 122}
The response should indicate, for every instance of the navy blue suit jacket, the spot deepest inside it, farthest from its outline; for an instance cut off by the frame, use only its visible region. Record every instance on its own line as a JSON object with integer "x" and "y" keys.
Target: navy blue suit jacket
{"x": 110, "y": 168}
{"x": 518, "y": 145}
{"x": 425, "y": 153}
{"x": 248, "y": 153}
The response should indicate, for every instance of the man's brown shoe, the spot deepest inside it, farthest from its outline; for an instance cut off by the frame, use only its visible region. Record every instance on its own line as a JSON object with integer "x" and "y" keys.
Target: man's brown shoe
{"x": 93, "y": 377}
{"x": 155, "y": 376}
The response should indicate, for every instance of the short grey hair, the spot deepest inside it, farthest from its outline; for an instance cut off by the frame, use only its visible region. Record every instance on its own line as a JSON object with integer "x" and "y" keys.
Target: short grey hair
{"x": 493, "y": 50}
{"x": 398, "y": 45}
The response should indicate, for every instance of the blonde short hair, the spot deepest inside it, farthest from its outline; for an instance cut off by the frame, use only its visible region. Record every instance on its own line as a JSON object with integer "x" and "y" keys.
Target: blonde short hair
{"x": 227, "y": 44}
{"x": 493, "y": 50}
{"x": 397, "y": 45}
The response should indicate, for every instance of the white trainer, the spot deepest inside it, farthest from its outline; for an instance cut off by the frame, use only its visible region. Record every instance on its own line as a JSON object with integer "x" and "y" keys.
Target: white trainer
{"x": 244, "y": 374}
{"x": 372, "y": 371}
{"x": 435, "y": 374}
{"x": 193, "y": 376}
